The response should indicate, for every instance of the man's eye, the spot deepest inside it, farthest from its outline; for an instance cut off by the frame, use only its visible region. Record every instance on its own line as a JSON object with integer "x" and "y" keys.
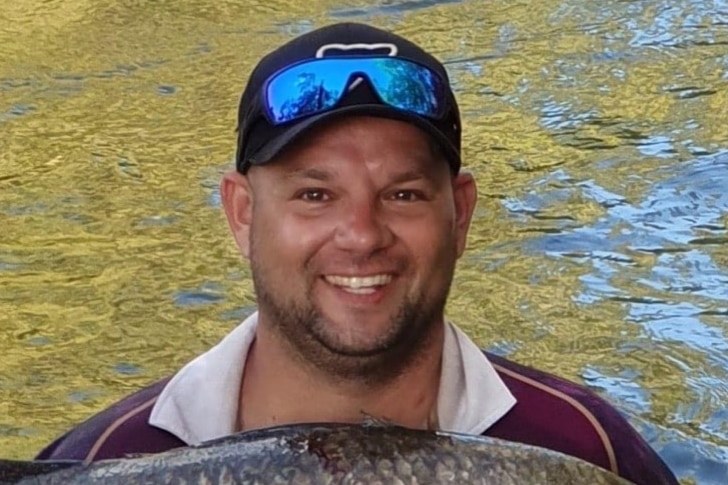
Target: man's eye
{"x": 407, "y": 195}
{"x": 314, "y": 195}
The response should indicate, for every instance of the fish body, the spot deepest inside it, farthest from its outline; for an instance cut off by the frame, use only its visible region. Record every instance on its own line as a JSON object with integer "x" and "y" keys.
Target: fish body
{"x": 315, "y": 454}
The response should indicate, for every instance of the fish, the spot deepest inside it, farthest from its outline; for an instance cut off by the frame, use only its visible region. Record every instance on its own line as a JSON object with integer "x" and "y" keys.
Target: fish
{"x": 327, "y": 453}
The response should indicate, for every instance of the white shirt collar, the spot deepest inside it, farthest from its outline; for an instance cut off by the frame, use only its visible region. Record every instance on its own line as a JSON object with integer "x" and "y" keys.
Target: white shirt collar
{"x": 200, "y": 402}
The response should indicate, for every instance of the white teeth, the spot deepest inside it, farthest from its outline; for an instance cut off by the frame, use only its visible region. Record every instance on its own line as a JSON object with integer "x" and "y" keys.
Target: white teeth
{"x": 359, "y": 284}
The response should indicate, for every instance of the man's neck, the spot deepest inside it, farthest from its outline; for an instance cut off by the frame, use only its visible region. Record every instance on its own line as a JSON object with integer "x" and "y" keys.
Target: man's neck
{"x": 276, "y": 389}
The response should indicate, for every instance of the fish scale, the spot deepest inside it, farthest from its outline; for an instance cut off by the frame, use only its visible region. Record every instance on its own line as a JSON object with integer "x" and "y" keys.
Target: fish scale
{"x": 328, "y": 454}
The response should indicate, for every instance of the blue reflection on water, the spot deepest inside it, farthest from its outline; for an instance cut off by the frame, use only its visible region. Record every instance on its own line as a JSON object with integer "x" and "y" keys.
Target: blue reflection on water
{"x": 681, "y": 223}
{"x": 127, "y": 368}
{"x": 208, "y": 293}
{"x": 16, "y": 111}
{"x": 166, "y": 89}
{"x": 237, "y": 314}
{"x": 679, "y": 211}
{"x": 388, "y": 9}
{"x": 622, "y": 387}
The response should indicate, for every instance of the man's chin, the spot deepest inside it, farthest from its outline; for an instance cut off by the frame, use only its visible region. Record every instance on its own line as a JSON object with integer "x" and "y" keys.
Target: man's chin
{"x": 362, "y": 346}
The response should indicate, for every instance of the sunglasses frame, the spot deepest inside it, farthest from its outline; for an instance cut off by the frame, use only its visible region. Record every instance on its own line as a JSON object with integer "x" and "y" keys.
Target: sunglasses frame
{"x": 442, "y": 99}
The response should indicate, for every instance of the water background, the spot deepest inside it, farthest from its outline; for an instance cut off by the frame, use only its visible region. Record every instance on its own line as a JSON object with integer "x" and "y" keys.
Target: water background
{"x": 597, "y": 132}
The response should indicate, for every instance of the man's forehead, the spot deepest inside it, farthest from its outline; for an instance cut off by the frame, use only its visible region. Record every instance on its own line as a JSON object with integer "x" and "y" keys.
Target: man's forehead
{"x": 416, "y": 163}
{"x": 329, "y": 173}
{"x": 395, "y": 149}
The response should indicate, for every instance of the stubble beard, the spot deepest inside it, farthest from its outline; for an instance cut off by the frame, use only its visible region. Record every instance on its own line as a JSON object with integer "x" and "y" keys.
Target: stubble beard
{"x": 301, "y": 326}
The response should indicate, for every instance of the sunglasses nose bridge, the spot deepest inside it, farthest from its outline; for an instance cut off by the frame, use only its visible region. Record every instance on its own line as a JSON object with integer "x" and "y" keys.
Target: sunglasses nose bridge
{"x": 359, "y": 88}
{"x": 354, "y": 81}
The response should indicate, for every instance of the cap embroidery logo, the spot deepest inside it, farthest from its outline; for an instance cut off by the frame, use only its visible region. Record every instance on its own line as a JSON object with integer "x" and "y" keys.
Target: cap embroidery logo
{"x": 321, "y": 52}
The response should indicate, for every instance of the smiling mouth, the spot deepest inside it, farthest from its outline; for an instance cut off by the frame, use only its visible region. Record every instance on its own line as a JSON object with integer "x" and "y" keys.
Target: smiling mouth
{"x": 360, "y": 285}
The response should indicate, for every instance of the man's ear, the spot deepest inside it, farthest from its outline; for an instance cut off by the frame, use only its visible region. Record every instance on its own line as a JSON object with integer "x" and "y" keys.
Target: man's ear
{"x": 465, "y": 192}
{"x": 237, "y": 200}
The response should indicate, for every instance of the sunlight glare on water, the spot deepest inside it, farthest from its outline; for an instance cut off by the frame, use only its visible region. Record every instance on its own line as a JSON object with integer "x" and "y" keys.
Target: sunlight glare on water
{"x": 596, "y": 131}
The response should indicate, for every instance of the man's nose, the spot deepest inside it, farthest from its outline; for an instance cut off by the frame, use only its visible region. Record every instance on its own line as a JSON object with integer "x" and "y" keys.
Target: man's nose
{"x": 363, "y": 227}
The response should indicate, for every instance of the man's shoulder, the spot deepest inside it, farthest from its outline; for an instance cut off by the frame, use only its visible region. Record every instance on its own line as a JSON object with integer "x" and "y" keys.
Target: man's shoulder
{"x": 541, "y": 395}
{"x": 558, "y": 414}
{"x": 121, "y": 429}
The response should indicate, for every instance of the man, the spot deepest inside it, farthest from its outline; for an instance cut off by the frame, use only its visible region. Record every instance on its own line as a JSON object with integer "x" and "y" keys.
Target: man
{"x": 349, "y": 201}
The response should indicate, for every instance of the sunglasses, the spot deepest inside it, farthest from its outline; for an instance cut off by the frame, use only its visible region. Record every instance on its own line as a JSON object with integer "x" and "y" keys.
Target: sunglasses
{"x": 318, "y": 85}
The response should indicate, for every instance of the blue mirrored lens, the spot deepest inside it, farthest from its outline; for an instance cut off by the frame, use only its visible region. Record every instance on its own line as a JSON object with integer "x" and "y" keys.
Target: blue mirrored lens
{"x": 318, "y": 85}
{"x": 408, "y": 86}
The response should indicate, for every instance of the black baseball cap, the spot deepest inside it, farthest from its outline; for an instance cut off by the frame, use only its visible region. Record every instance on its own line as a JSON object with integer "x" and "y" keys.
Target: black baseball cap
{"x": 259, "y": 141}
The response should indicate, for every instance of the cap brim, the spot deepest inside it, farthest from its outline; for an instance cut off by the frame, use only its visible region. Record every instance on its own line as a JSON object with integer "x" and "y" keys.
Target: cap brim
{"x": 278, "y": 144}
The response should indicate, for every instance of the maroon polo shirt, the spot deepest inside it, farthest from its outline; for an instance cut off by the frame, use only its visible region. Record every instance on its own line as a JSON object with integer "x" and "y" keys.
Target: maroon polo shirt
{"x": 551, "y": 412}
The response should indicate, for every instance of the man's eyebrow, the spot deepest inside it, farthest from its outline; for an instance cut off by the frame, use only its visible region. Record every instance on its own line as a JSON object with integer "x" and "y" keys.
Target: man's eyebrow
{"x": 411, "y": 176}
{"x": 310, "y": 173}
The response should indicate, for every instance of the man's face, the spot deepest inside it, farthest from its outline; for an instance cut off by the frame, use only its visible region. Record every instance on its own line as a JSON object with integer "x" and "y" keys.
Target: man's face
{"x": 353, "y": 236}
